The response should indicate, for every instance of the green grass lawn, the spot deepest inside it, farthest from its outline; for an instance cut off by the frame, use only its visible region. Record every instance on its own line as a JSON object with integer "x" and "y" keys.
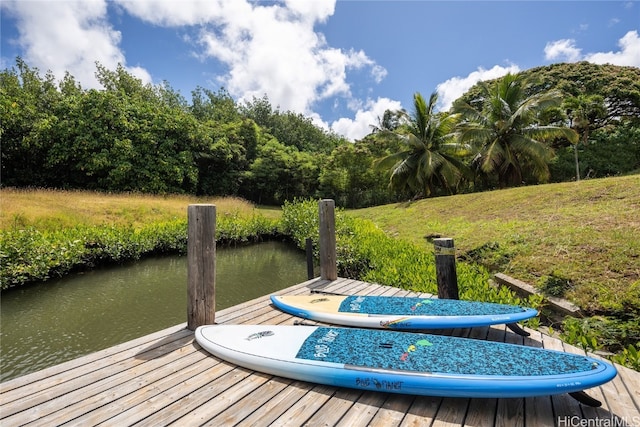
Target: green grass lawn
{"x": 579, "y": 240}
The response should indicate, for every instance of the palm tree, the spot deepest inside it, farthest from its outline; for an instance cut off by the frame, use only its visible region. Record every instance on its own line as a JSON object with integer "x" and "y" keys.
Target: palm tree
{"x": 507, "y": 132}
{"x": 427, "y": 160}
{"x": 583, "y": 111}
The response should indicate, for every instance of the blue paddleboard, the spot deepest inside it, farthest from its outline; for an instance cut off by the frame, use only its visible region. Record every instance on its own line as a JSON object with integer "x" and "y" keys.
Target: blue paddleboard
{"x": 403, "y": 362}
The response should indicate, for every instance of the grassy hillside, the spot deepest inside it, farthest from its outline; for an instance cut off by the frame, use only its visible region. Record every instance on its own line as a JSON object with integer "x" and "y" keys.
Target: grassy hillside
{"x": 579, "y": 240}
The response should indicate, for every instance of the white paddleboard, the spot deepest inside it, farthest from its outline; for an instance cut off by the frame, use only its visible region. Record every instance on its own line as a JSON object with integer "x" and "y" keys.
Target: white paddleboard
{"x": 399, "y": 312}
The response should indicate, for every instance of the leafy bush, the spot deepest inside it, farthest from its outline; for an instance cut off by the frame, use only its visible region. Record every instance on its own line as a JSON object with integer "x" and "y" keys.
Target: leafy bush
{"x": 629, "y": 356}
{"x": 234, "y": 228}
{"x": 30, "y": 255}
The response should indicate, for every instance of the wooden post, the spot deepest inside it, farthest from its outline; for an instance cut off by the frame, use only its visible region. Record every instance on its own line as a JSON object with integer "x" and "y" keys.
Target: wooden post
{"x": 446, "y": 268}
{"x": 309, "y": 252}
{"x": 201, "y": 262}
{"x": 328, "y": 260}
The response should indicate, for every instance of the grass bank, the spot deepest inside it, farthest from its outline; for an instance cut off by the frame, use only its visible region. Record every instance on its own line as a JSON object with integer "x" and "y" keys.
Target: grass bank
{"x": 579, "y": 240}
{"x": 55, "y": 209}
{"x": 45, "y": 234}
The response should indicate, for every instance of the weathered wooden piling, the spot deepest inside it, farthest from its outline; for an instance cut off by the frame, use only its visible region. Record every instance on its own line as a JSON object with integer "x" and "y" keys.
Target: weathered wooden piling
{"x": 201, "y": 265}
{"x": 309, "y": 253}
{"x": 328, "y": 259}
{"x": 446, "y": 275}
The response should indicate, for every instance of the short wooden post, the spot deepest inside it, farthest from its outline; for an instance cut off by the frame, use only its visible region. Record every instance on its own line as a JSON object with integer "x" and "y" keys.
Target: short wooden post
{"x": 328, "y": 260}
{"x": 309, "y": 253}
{"x": 201, "y": 262}
{"x": 446, "y": 268}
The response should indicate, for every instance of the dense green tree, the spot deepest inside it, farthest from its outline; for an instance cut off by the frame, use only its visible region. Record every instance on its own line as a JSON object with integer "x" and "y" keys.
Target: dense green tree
{"x": 223, "y": 163}
{"x": 130, "y": 136}
{"x": 118, "y": 143}
{"x": 619, "y": 86}
{"x": 281, "y": 173}
{"x": 429, "y": 161}
{"x": 291, "y": 129}
{"x": 27, "y": 113}
{"x": 218, "y": 106}
{"x": 610, "y": 152}
{"x": 507, "y": 133}
{"x": 584, "y": 113}
{"x": 349, "y": 177}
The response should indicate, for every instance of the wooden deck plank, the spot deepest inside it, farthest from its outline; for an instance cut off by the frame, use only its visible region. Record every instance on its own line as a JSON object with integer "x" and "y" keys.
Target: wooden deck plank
{"x": 538, "y": 409}
{"x": 481, "y": 412}
{"x": 33, "y": 377}
{"x": 422, "y": 412}
{"x": 138, "y": 398}
{"x": 137, "y": 389}
{"x": 166, "y": 378}
{"x": 179, "y": 400}
{"x": 240, "y": 411}
{"x": 90, "y": 397}
{"x": 363, "y": 410}
{"x": 334, "y": 409}
{"x": 305, "y": 407}
{"x": 631, "y": 380}
{"x": 392, "y": 411}
{"x": 17, "y": 388}
{"x": 80, "y": 387}
{"x": 268, "y": 413}
{"x": 451, "y": 412}
{"x": 224, "y": 401}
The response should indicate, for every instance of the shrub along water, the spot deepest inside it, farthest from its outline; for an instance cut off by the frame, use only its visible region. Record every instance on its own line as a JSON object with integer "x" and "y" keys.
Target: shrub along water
{"x": 31, "y": 255}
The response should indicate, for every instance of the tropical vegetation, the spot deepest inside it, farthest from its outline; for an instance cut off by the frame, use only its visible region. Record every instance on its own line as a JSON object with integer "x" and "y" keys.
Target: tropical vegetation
{"x": 509, "y": 134}
{"x": 431, "y": 156}
{"x": 127, "y": 136}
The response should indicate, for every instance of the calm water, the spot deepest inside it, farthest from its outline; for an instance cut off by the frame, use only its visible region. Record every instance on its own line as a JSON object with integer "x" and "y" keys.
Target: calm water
{"x": 50, "y": 323}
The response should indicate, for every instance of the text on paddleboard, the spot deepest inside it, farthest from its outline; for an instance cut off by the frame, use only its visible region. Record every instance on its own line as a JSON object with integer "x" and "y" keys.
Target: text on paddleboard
{"x": 322, "y": 347}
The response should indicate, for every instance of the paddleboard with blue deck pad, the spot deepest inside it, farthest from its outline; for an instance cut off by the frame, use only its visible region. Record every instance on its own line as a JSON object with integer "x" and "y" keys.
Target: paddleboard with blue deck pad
{"x": 403, "y": 362}
{"x": 402, "y": 313}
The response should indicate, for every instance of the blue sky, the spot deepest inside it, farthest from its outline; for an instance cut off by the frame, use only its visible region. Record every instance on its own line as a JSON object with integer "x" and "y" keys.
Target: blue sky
{"x": 341, "y": 63}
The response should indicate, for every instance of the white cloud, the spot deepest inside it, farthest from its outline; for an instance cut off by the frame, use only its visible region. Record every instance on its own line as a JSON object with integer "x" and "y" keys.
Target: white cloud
{"x": 566, "y": 50}
{"x": 368, "y": 115}
{"x": 69, "y": 36}
{"x": 628, "y": 55}
{"x": 267, "y": 48}
{"x": 562, "y": 51}
{"x": 455, "y": 87}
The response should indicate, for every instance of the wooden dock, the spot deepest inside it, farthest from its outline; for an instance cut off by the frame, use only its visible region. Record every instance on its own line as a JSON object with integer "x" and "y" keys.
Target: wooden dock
{"x": 166, "y": 379}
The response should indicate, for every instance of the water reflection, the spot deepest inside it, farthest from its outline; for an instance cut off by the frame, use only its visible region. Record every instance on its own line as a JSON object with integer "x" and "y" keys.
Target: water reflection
{"x": 60, "y": 320}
